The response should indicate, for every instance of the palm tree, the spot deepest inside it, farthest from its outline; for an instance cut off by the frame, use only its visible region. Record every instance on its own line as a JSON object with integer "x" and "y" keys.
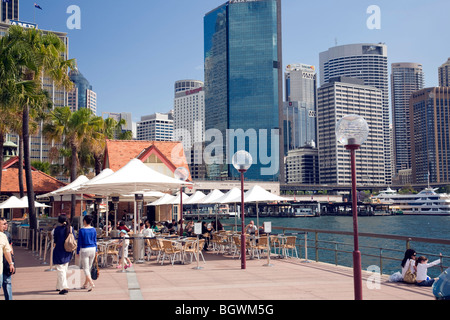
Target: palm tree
{"x": 71, "y": 129}
{"x": 36, "y": 55}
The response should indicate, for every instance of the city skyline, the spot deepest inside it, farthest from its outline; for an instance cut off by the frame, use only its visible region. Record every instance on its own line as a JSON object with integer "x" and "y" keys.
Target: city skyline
{"x": 167, "y": 41}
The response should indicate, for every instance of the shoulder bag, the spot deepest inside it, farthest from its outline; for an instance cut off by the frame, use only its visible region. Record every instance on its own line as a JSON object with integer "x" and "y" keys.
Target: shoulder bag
{"x": 410, "y": 277}
{"x": 95, "y": 272}
{"x": 70, "y": 244}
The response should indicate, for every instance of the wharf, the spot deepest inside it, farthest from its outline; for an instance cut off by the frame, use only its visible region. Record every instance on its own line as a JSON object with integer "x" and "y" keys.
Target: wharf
{"x": 220, "y": 279}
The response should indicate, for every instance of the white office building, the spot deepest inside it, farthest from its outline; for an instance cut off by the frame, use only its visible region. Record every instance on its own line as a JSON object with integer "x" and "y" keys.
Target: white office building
{"x": 341, "y": 97}
{"x": 369, "y": 62}
{"x": 156, "y": 127}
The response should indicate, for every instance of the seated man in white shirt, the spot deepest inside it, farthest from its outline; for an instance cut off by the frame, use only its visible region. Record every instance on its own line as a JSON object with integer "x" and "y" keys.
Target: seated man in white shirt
{"x": 148, "y": 232}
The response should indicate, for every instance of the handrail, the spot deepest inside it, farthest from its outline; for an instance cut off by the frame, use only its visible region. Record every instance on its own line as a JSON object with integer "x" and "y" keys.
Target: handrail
{"x": 316, "y": 243}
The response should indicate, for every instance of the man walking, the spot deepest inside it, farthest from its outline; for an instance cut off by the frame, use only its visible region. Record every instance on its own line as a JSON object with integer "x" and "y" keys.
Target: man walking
{"x": 6, "y": 254}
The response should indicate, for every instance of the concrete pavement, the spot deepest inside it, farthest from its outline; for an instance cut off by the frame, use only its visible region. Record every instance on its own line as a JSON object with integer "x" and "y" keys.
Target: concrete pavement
{"x": 220, "y": 279}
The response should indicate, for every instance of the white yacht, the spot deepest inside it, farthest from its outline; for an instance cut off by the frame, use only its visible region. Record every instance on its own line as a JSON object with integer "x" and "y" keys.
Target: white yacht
{"x": 426, "y": 202}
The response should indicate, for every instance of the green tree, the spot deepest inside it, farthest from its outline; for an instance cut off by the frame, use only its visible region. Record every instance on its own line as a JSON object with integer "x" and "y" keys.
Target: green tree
{"x": 34, "y": 55}
{"x": 72, "y": 129}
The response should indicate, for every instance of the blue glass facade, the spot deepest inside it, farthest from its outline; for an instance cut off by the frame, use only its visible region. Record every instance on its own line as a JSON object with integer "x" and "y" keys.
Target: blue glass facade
{"x": 242, "y": 84}
{"x": 82, "y": 84}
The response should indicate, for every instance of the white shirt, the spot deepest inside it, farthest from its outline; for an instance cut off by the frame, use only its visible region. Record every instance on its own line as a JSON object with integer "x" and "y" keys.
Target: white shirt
{"x": 148, "y": 233}
{"x": 422, "y": 269}
{"x": 410, "y": 263}
{"x": 4, "y": 247}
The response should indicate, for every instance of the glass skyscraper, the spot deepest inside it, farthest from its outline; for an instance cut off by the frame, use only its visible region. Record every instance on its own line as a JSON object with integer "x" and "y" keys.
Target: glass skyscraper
{"x": 243, "y": 87}
{"x": 9, "y": 10}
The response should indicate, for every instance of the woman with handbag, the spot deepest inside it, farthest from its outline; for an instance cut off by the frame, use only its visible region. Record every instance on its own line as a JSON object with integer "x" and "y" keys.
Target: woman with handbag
{"x": 87, "y": 249}
{"x": 61, "y": 257}
{"x": 409, "y": 266}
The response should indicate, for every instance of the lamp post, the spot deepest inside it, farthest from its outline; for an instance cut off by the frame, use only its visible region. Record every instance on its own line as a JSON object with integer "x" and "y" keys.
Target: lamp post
{"x": 242, "y": 161}
{"x": 182, "y": 174}
{"x": 352, "y": 131}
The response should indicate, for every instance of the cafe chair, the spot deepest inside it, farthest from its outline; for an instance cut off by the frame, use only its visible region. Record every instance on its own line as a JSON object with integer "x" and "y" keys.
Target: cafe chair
{"x": 153, "y": 247}
{"x": 170, "y": 250}
{"x": 262, "y": 245}
{"x": 290, "y": 244}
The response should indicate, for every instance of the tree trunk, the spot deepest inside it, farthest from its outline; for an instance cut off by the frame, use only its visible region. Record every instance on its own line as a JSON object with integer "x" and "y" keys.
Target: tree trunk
{"x": 73, "y": 176}
{"x": 28, "y": 175}
{"x": 21, "y": 189}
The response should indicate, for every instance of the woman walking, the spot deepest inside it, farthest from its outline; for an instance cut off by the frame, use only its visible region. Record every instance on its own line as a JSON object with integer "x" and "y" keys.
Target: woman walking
{"x": 61, "y": 257}
{"x": 87, "y": 249}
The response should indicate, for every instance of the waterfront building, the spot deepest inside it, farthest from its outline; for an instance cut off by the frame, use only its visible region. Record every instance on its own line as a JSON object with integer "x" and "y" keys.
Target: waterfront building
{"x": 302, "y": 166}
{"x": 430, "y": 135}
{"x": 156, "y": 127}
{"x": 82, "y": 95}
{"x": 189, "y": 123}
{"x": 9, "y": 10}
{"x": 343, "y": 96}
{"x": 369, "y": 62}
{"x": 405, "y": 79}
{"x": 243, "y": 87}
{"x": 444, "y": 74}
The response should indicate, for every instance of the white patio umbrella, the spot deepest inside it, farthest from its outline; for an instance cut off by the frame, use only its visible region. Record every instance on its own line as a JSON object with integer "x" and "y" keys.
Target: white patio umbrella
{"x": 196, "y": 198}
{"x": 67, "y": 189}
{"x": 165, "y": 199}
{"x": 212, "y": 197}
{"x": 12, "y": 203}
{"x": 36, "y": 204}
{"x": 176, "y": 200}
{"x": 258, "y": 194}
{"x": 134, "y": 177}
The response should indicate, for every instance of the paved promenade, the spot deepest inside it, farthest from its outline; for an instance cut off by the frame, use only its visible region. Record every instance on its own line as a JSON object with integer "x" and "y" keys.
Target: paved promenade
{"x": 220, "y": 279}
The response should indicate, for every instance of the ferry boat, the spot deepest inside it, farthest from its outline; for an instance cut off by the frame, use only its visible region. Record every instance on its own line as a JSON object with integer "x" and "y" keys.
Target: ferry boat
{"x": 426, "y": 202}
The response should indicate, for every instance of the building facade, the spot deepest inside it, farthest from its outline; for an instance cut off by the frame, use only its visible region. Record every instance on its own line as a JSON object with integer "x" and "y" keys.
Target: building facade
{"x": 444, "y": 74}
{"x": 156, "y": 127}
{"x": 405, "y": 79}
{"x": 243, "y": 87}
{"x": 302, "y": 166}
{"x": 9, "y": 10}
{"x": 368, "y": 62}
{"x": 344, "y": 96}
{"x": 300, "y": 107}
{"x": 189, "y": 123}
{"x": 430, "y": 135}
{"x": 82, "y": 96}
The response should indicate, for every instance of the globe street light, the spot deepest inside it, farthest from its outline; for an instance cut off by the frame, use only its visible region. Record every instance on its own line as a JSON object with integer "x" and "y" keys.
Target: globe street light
{"x": 242, "y": 161}
{"x": 352, "y": 131}
{"x": 182, "y": 174}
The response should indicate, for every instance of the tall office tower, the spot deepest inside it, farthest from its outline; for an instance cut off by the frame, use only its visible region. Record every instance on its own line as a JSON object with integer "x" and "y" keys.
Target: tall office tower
{"x": 189, "y": 123}
{"x": 343, "y": 96}
{"x": 82, "y": 95}
{"x": 156, "y": 127}
{"x": 300, "y": 107}
{"x": 368, "y": 62}
{"x": 9, "y": 10}
{"x": 243, "y": 87}
{"x": 444, "y": 74}
{"x": 405, "y": 79}
{"x": 430, "y": 135}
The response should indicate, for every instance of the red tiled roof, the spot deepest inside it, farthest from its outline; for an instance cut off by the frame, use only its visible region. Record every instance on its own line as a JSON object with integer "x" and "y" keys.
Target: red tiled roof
{"x": 42, "y": 182}
{"x": 119, "y": 152}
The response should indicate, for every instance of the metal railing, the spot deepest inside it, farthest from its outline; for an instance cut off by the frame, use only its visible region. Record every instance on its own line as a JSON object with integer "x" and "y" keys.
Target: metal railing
{"x": 305, "y": 244}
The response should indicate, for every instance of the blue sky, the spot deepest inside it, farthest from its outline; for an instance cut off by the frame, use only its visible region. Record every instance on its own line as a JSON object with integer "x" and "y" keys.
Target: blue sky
{"x": 133, "y": 51}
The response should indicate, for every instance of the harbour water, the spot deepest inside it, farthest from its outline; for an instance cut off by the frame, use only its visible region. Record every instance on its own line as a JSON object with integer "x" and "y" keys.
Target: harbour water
{"x": 436, "y": 227}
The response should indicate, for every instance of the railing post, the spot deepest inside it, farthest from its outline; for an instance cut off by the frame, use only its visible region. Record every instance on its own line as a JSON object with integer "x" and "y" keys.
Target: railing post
{"x": 408, "y": 243}
{"x": 335, "y": 254}
{"x": 317, "y": 246}
{"x": 381, "y": 261}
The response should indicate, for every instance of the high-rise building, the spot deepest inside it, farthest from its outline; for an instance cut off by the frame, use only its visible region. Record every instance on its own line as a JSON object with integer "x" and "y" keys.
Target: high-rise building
{"x": 82, "y": 95}
{"x": 444, "y": 74}
{"x": 302, "y": 166}
{"x": 189, "y": 123}
{"x": 368, "y": 62}
{"x": 156, "y": 127}
{"x": 430, "y": 135}
{"x": 405, "y": 79}
{"x": 119, "y": 116}
{"x": 300, "y": 107}
{"x": 243, "y": 87}
{"x": 340, "y": 97}
{"x": 9, "y": 10}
